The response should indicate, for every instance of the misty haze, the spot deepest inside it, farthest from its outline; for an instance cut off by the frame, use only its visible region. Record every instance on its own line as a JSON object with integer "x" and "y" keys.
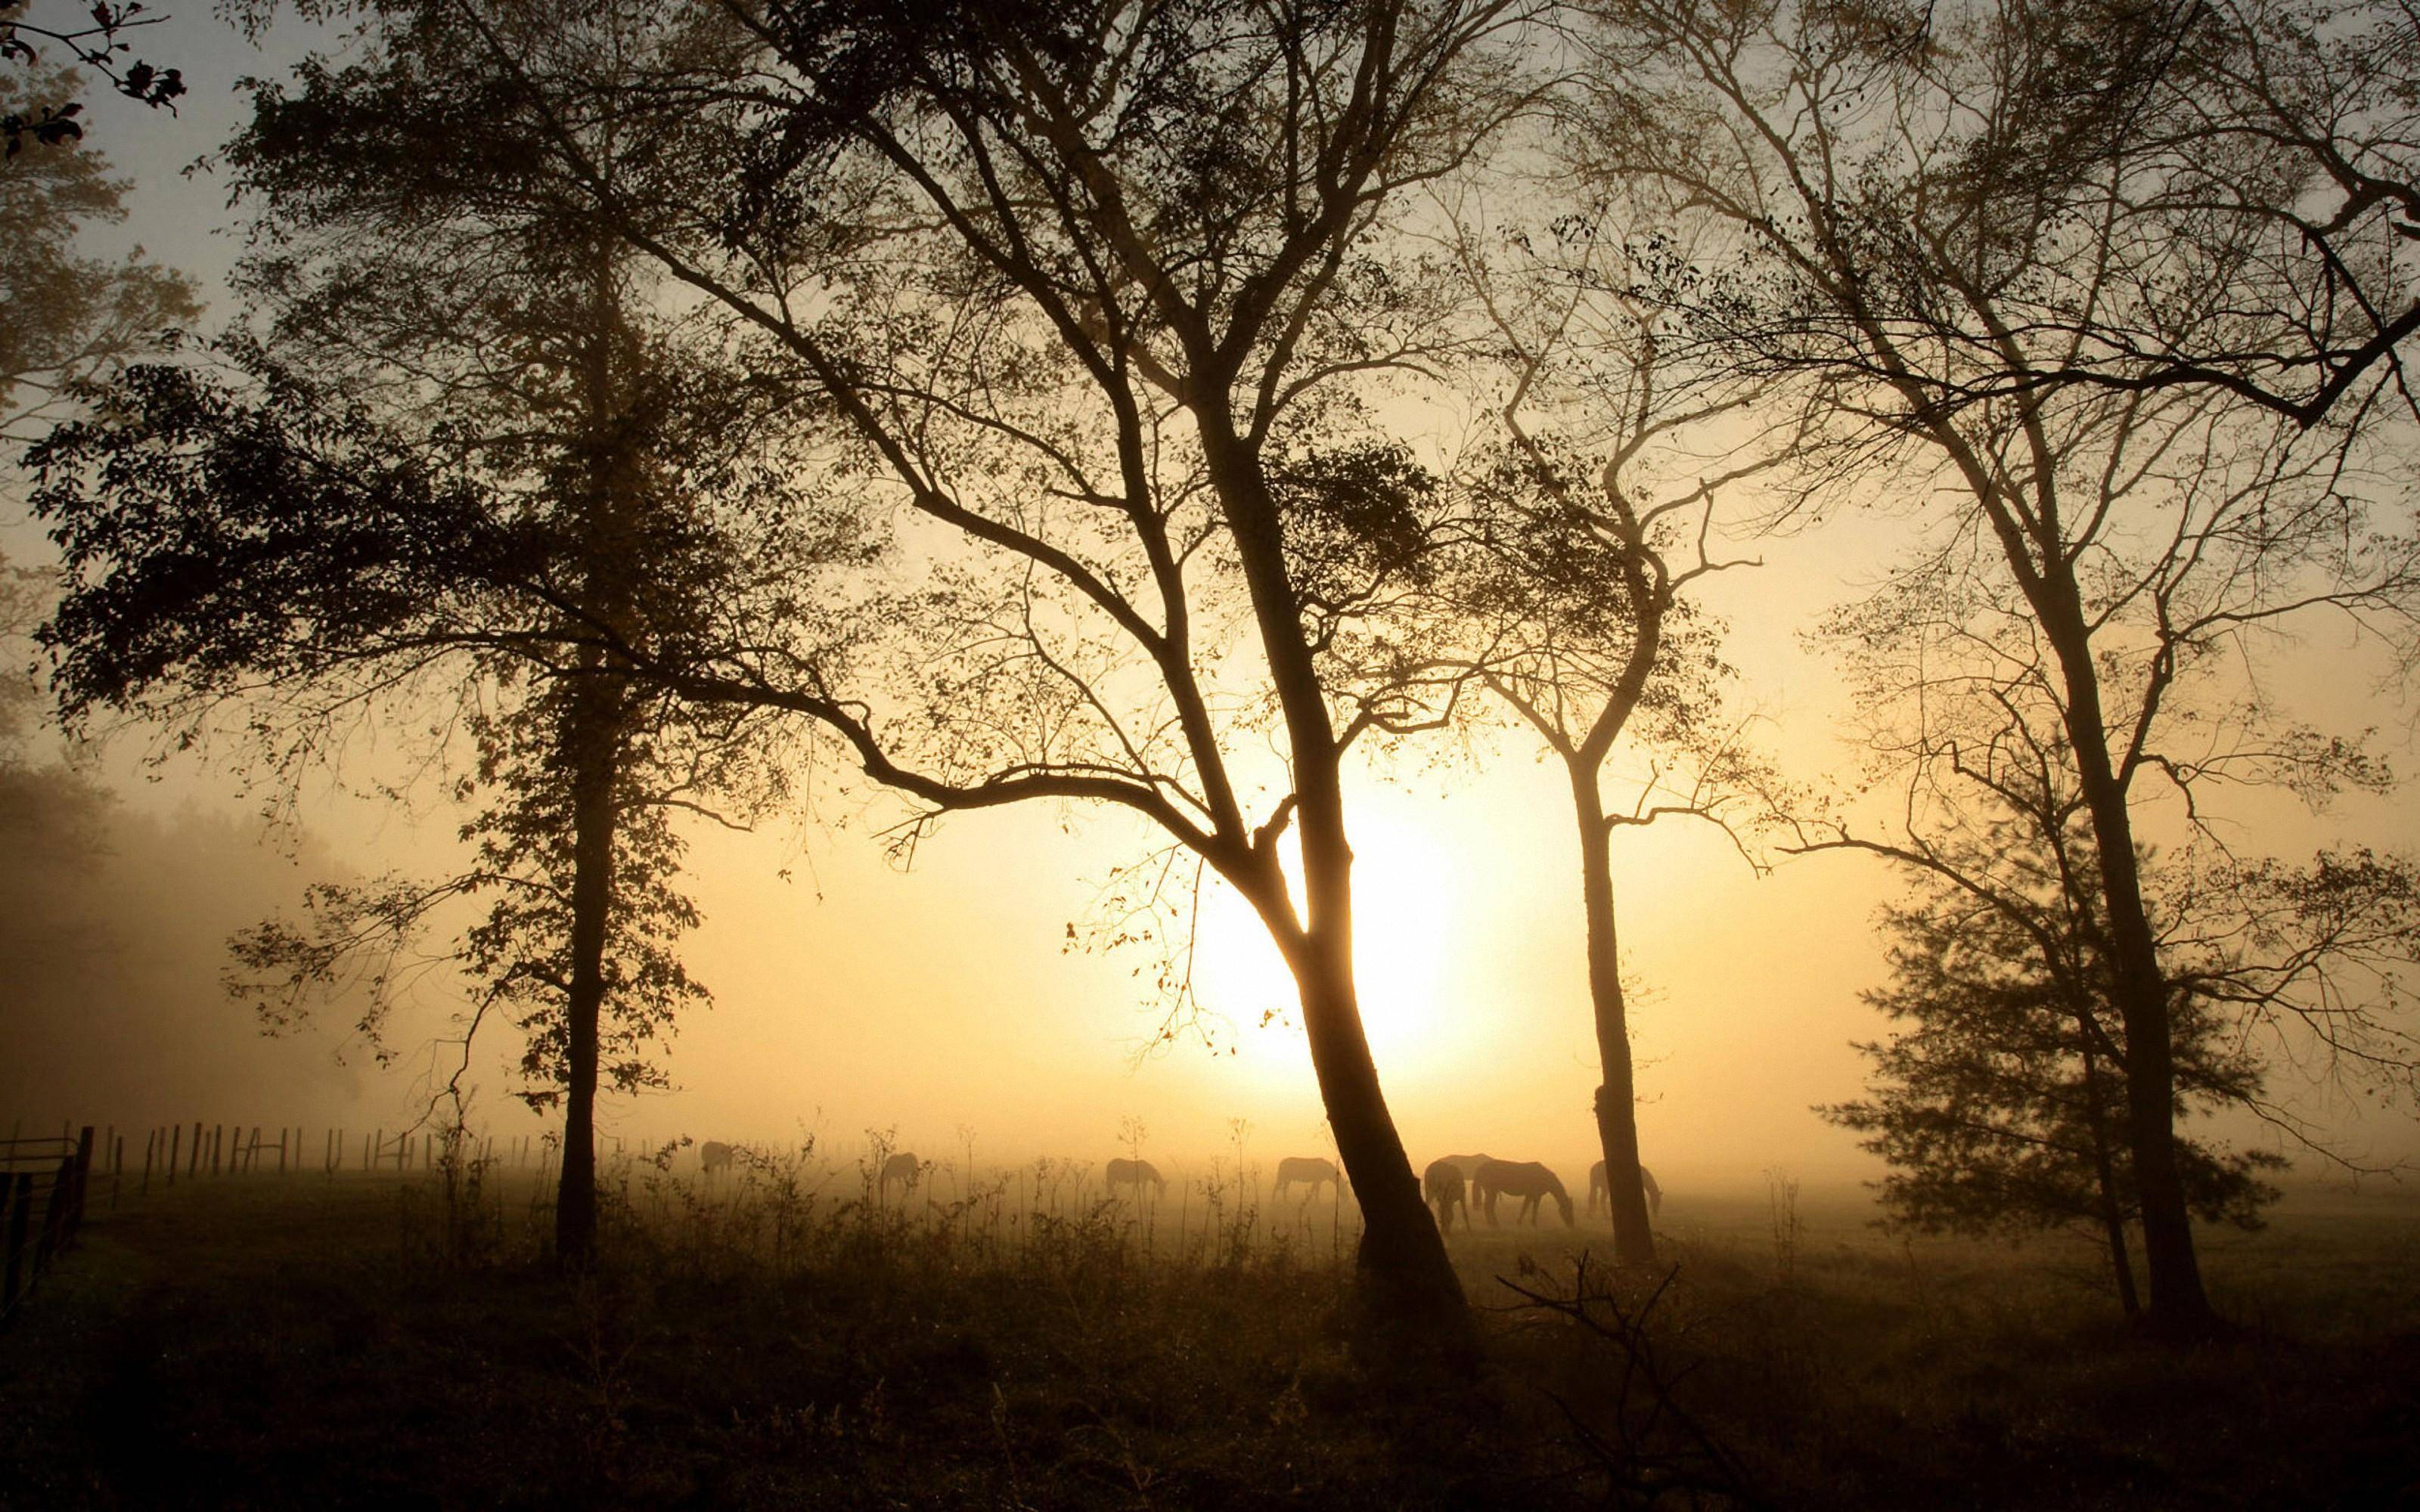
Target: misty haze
{"x": 1416, "y": 753}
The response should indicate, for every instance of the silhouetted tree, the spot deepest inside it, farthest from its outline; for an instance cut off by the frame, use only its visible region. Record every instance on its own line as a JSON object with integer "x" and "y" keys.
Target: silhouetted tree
{"x": 1590, "y": 527}
{"x": 1995, "y": 282}
{"x": 1999, "y": 1101}
{"x": 1100, "y": 297}
{"x": 495, "y": 482}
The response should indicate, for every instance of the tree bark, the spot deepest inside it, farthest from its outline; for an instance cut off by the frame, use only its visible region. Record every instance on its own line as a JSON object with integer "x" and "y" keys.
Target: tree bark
{"x": 593, "y": 738}
{"x": 1616, "y": 1097}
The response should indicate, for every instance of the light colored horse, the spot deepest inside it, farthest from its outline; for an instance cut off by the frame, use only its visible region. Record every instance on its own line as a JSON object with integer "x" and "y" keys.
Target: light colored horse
{"x": 1467, "y": 1165}
{"x": 1527, "y": 1180}
{"x": 1597, "y": 1188}
{"x": 1442, "y": 1184}
{"x": 904, "y": 1168}
{"x": 1309, "y": 1170}
{"x": 714, "y": 1155}
{"x": 1134, "y": 1173}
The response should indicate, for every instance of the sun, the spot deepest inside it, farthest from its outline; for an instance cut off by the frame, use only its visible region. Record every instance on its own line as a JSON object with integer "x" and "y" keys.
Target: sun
{"x": 1407, "y": 923}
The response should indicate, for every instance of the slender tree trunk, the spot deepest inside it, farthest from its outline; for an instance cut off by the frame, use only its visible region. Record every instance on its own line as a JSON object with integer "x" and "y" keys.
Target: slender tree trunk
{"x": 2104, "y": 1172}
{"x": 1616, "y": 1098}
{"x": 592, "y": 734}
{"x": 2179, "y": 1306}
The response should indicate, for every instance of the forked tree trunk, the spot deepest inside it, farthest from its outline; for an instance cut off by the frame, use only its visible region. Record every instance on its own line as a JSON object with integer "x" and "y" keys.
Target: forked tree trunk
{"x": 1616, "y": 1098}
{"x": 592, "y": 734}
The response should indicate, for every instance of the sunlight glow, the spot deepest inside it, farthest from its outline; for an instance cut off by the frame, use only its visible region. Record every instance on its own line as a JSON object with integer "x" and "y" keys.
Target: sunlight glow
{"x": 1407, "y": 923}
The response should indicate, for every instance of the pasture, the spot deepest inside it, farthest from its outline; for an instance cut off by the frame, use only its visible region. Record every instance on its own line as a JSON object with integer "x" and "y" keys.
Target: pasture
{"x": 771, "y": 1337}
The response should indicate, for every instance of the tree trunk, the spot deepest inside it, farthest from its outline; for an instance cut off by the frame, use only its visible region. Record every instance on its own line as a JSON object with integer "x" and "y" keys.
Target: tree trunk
{"x": 592, "y": 734}
{"x": 1616, "y": 1098}
{"x": 1408, "y": 1281}
{"x": 1410, "y": 1287}
{"x": 2105, "y": 1173}
{"x": 2180, "y": 1308}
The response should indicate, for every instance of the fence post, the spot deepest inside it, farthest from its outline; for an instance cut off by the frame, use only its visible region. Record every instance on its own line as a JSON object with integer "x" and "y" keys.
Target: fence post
{"x": 148, "y": 1146}
{"x": 83, "y": 1180}
{"x": 194, "y": 1166}
{"x": 21, "y": 1207}
{"x": 218, "y": 1145}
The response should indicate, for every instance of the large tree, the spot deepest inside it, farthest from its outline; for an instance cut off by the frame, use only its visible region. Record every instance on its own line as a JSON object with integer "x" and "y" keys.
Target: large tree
{"x": 1984, "y": 276}
{"x": 1103, "y": 298}
{"x": 464, "y": 480}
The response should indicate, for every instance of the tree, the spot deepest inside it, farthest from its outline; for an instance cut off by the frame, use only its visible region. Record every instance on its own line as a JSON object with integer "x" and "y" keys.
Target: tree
{"x": 65, "y": 317}
{"x": 534, "y": 494}
{"x": 1575, "y": 589}
{"x": 1100, "y": 297}
{"x": 2000, "y": 1106}
{"x": 1982, "y": 275}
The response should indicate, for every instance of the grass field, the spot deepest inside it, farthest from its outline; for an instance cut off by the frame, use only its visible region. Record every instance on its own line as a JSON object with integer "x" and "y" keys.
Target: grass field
{"x": 777, "y": 1340}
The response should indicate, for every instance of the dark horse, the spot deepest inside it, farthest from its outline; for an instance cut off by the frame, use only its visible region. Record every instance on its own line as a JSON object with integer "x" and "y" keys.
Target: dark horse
{"x": 1525, "y": 1179}
{"x": 904, "y": 1168}
{"x": 1441, "y": 1184}
{"x": 1137, "y": 1174}
{"x": 1646, "y": 1183}
{"x": 1306, "y": 1170}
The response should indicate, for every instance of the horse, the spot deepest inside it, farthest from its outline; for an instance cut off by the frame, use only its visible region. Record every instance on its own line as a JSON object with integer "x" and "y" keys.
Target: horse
{"x": 1525, "y": 1179}
{"x": 1467, "y": 1165}
{"x": 904, "y": 1168}
{"x": 1134, "y": 1173}
{"x": 1442, "y": 1183}
{"x": 1597, "y": 1188}
{"x": 1309, "y": 1171}
{"x": 714, "y": 1155}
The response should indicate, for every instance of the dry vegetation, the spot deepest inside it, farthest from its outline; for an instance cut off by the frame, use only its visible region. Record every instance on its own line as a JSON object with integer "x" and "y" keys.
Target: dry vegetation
{"x": 777, "y": 1339}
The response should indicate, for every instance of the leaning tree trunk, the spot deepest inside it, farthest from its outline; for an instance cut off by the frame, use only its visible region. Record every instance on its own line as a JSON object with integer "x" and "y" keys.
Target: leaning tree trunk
{"x": 2179, "y": 1307}
{"x": 1409, "y": 1285}
{"x": 592, "y": 732}
{"x": 1617, "y": 1099}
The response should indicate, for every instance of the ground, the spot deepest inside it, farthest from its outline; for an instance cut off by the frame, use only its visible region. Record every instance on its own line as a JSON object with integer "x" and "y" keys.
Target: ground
{"x": 360, "y": 1341}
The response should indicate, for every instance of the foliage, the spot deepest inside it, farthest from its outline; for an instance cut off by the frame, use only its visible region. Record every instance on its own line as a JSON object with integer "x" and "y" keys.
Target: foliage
{"x": 96, "y": 40}
{"x": 1998, "y": 1102}
{"x": 66, "y": 316}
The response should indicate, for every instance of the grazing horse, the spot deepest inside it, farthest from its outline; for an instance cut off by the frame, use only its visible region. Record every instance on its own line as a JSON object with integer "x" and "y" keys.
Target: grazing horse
{"x": 1442, "y": 1183}
{"x": 904, "y": 1168}
{"x": 1467, "y": 1165}
{"x": 1134, "y": 1173}
{"x": 1597, "y": 1188}
{"x": 1309, "y": 1170}
{"x": 1525, "y": 1179}
{"x": 714, "y": 1155}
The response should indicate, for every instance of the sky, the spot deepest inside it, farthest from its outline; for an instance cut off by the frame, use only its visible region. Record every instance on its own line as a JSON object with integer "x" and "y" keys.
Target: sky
{"x": 941, "y": 1001}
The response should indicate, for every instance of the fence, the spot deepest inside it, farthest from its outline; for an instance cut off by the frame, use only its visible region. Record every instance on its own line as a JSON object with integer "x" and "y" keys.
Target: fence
{"x": 54, "y": 1172}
